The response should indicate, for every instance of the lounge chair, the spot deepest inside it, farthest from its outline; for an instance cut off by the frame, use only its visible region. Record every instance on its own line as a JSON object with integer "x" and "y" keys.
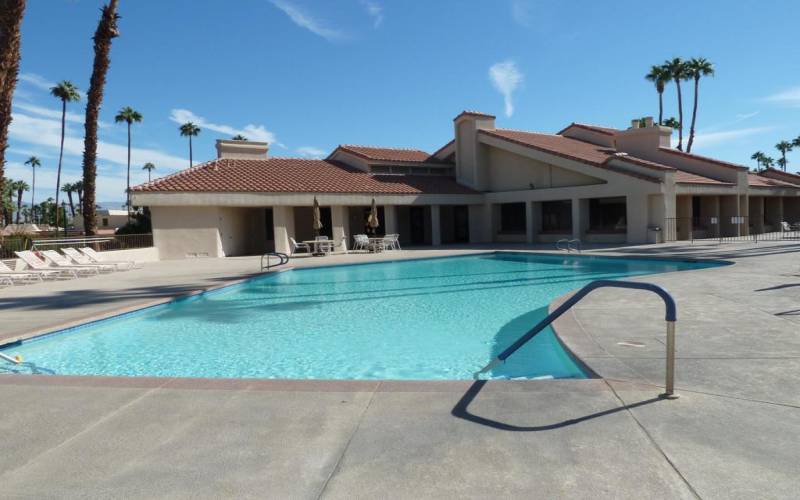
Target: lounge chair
{"x": 360, "y": 242}
{"x": 31, "y": 260}
{"x": 98, "y": 258}
{"x": 62, "y": 261}
{"x": 298, "y": 246}
{"x": 395, "y": 241}
{"x": 82, "y": 259}
{"x": 11, "y": 275}
{"x": 65, "y": 261}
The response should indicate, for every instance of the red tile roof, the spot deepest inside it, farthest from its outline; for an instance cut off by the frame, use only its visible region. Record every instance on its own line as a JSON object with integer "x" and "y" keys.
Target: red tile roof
{"x": 684, "y": 177}
{"x": 468, "y": 112}
{"x": 703, "y": 158}
{"x": 756, "y": 180}
{"x": 774, "y": 173}
{"x": 594, "y": 128}
{"x": 387, "y": 154}
{"x": 296, "y": 175}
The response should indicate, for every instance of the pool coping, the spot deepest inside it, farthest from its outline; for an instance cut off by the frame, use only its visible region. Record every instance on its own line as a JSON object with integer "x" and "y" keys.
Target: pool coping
{"x": 566, "y": 328}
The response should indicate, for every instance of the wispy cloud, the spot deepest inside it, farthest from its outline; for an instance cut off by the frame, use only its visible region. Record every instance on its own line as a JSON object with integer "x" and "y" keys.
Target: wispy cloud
{"x": 746, "y": 116}
{"x": 252, "y": 132}
{"x": 41, "y": 82}
{"x": 375, "y": 11}
{"x": 789, "y": 96}
{"x": 306, "y": 21}
{"x": 521, "y": 12}
{"x": 708, "y": 139}
{"x": 53, "y": 113}
{"x": 506, "y": 78}
{"x": 310, "y": 152}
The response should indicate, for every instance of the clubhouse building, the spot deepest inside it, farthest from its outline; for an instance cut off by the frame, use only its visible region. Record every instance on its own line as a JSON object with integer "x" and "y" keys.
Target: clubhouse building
{"x": 488, "y": 184}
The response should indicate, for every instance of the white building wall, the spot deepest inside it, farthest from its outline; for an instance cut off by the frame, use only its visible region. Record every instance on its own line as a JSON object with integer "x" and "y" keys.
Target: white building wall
{"x": 186, "y": 232}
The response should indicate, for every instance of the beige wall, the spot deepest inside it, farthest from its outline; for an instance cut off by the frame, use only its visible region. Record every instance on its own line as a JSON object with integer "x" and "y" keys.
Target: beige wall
{"x": 509, "y": 172}
{"x": 185, "y": 232}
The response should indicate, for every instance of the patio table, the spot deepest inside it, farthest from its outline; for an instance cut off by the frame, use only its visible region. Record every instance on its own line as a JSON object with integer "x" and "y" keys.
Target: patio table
{"x": 321, "y": 247}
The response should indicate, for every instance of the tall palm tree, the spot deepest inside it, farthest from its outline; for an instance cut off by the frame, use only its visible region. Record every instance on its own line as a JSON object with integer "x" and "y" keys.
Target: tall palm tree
{"x": 189, "y": 130}
{"x": 34, "y": 162}
{"x": 129, "y": 116}
{"x": 66, "y": 92}
{"x": 796, "y": 142}
{"x": 659, "y": 76}
{"x": 69, "y": 188}
{"x": 784, "y": 147}
{"x": 696, "y": 68}
{"x": 149, "y": 167}
{"x": 768, "y": 161}
{"x": 671, "y": 122}
{"x": 7, "y": 201}
{"x": 677, "y": 72}
{"x": 105, "y": 33}
{"x": 11, "y": 12}
{"x": 20, "y": 187}
{"x": 758, "y": 156}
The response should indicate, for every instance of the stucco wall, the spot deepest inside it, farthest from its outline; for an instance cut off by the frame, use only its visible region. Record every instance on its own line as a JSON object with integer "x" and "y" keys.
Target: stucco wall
{"x": 508, "y": 171}
{"x": 186, "y": 232}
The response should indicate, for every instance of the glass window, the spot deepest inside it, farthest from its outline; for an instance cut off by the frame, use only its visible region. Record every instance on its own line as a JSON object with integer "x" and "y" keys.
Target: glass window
{"x": 512, "y": 218}
{"x": 557, "y": 216}
{"x": 608, "y": 215}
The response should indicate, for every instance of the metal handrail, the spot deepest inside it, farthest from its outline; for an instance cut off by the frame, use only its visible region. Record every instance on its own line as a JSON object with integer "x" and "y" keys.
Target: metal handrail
{"x": 284, "y": 259}
{"x": 670, "y": 317}
{"x": 63, "y": 241}
{"x": 569, "y": 243}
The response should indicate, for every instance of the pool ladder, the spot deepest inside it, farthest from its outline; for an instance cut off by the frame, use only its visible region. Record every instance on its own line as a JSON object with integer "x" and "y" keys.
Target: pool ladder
{"x": 670, "y": 316}
{"x": 284, "y": 259}
{"x": 569, "y": 245}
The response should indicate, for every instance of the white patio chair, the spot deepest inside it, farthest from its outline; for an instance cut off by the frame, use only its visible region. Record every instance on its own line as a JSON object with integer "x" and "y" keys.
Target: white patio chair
{"x": 298, "y": 246}
{"x": 395, "y": 241}
{"x": 31, "y": 260}
{"x": 83, "y": 259}
{"x": 98, "y": 258}
{"x": 360, "y": 242}
{"x": 55, "y": 258}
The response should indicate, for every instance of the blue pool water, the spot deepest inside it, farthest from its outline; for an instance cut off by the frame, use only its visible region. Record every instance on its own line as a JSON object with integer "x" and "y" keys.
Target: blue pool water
{"x": 426, "y": 319}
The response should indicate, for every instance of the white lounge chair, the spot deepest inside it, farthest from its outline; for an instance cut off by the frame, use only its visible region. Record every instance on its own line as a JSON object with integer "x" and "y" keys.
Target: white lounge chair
{"x": 59, "y": 260}
{"x": 31, "y": 260}
{"x": 25, "y": 276}
{"x": 395, "y": 240}
{"x": 360, "y": 242}
{"x": 298, "y": 246}
{"x": 82, "y": 259}
{"x": 98, "y": 258}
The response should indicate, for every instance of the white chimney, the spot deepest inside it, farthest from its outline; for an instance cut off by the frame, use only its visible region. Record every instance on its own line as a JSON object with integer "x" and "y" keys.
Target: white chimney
{"x": 635, "y": 123}
{"x": 648, "y": 121}
{"x": 242, "y": 150}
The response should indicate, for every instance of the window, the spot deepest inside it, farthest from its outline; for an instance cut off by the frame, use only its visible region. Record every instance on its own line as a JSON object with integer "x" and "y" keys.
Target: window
{"x": 557, "y": 216}
{"x": 512, "y": 218}
{"x": 608, "y": 215}
{"x": 105, "y": 222}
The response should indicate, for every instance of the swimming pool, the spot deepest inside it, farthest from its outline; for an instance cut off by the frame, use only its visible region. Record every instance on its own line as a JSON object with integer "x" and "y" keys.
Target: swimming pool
{"x": 428, "y": 319}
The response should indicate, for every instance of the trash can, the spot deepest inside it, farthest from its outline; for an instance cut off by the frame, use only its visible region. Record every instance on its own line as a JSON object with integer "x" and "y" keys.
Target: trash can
{"x": 654, "y": 234}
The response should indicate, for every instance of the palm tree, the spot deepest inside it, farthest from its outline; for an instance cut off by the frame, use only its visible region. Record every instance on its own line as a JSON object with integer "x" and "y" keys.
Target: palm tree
{"x": 189, "y": 130}
{"x": 677, "y": 71}
{"x": 696, "y": 68}
{"x": 69, "y": 189}
{"x": 66, "y": 92}
{"x": 784, "y": 147}
{"x": 659, "y": 76}
{"x": 33, "y": 162}
{"x": 796, "y": 142}
{"x": 238, "y": 137}
{"x": 11, "y": 12}
{"x": 6, "y": 201}
{"x": 671, "y": 122}
{"x": 105, "y": 33}
{"x": 768, "y": 162}
{"x": 78, "y": 188}
{"x": 149, "y": 167}
{"x": 129, "y": 116}
{"x": 758, "y": 156}
{"x": 20, "y": 187}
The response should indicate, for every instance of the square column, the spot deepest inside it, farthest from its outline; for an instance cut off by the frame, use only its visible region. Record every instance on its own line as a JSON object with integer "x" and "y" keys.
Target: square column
{"x": 436, "y": 226}
{"x": 530, "y": 223}
{"x": 340, "y": 223}
{"x": 390, "y": 219}
{"x": 283, "y": 223}
{"x": 479, "y": 223}
{"x": 580, "y": 217}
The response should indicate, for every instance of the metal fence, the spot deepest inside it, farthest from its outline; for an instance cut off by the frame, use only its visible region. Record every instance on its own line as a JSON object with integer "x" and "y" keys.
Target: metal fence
{"x": 11, "y": 244}
{"x": 728, "y": 229}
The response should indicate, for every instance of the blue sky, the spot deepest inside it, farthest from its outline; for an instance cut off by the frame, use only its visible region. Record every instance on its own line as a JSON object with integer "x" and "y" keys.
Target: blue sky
{"x": 307, "y": 75}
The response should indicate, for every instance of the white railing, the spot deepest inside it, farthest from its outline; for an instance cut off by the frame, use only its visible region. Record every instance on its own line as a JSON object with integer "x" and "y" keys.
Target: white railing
{"x": 569, "y": 245}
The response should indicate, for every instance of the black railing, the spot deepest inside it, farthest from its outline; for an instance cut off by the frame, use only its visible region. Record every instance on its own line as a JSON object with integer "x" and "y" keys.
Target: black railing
{"x": 729, "y": 229}
{"x": 15, "y": 243}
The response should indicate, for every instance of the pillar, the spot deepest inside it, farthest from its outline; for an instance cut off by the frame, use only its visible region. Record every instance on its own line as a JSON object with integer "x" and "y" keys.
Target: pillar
{"x": 577, "y": 218}
{"x": 480, "y": 223}
{"x": 340, "y": 223}
{"x": 390, "y": 219}
{"x": 436, "y": 226}
{"x": 283, "y": 223}
{"x": 530, "y": 223}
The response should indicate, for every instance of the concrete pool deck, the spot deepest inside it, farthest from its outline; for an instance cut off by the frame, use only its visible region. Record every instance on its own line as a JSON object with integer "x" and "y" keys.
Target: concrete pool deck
{"x": 732, "y": 434}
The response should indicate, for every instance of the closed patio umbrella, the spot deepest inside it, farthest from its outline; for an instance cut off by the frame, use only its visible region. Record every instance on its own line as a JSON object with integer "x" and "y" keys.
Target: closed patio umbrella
{"x": 372, "y": 219}
{"x": 317, "y": 224}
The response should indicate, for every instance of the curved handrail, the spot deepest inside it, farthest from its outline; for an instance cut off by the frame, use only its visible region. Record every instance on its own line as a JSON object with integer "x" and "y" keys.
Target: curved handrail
{"x": 577, "y": 247}
{"x": 284, "y": 259}
{"x": 670, "y": 317}
{"x": 559, "y": 242}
